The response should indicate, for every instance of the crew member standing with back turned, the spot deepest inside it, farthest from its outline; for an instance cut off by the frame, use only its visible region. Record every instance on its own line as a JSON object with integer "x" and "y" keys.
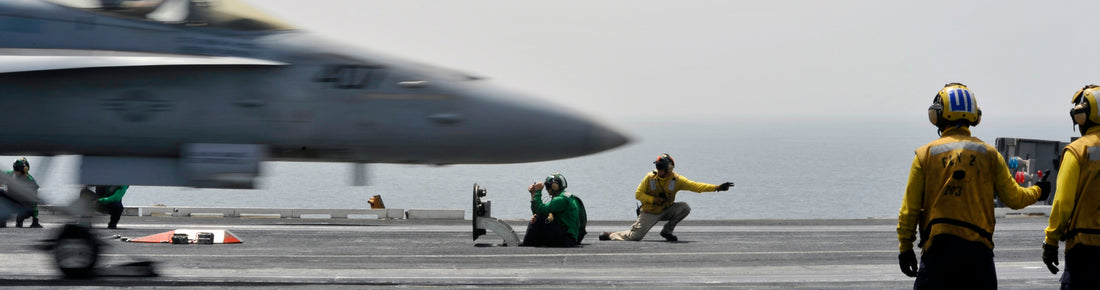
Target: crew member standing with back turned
{"x": 950, "y": 193}
{"x": 1074, "y": 216}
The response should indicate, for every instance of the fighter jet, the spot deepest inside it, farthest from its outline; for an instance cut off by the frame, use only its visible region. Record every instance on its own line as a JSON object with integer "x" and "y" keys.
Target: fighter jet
{"x": 198, "y": 92}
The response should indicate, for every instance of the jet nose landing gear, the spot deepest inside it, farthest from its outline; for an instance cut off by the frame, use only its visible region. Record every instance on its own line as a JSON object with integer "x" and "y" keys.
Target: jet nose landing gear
{"x": 75, "y": 251}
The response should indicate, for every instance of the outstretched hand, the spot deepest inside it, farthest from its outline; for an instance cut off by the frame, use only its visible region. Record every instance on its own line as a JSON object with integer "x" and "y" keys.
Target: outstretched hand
{"x": 725, "y": 186}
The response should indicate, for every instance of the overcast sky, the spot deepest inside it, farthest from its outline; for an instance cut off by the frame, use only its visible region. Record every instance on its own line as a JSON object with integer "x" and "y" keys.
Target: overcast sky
{"x": 814, "y": 60}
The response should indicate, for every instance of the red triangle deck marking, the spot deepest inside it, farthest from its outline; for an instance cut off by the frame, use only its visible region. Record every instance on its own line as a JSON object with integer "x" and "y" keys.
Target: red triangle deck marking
{"x": 165, "y": 237}
{"x": 230, "y": 238}
{"x": 220, "y": 237}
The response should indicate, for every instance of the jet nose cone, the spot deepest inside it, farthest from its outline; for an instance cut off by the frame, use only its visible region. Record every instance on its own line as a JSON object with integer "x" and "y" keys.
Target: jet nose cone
{"x": 602, "y": 138}
{"x": 510, "y": 127}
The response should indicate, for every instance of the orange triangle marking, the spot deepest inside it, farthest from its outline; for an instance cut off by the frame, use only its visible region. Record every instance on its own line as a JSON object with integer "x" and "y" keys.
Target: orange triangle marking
{"x": 165, "y": 237}
{"x": 230, "y": 238}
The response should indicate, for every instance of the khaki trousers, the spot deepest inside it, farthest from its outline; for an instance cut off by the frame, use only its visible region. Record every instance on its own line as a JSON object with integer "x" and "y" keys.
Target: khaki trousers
{"x": 673, "y": 214}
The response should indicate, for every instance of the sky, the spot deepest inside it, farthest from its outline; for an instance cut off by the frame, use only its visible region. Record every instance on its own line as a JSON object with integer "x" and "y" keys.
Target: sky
{"x": 764, "y": 60}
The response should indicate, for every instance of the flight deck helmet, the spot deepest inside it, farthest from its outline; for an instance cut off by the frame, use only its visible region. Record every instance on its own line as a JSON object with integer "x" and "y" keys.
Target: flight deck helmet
{"x": 555, "y": 183}
{"x": 664, "y": 162}
{"x": 1084, "y": 113}
{"x": 21, "y": 164}
{"x": 954, "y": 105}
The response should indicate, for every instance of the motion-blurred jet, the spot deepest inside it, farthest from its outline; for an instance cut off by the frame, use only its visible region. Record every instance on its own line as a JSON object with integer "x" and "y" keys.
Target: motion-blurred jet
{"x": 198, "y": 92}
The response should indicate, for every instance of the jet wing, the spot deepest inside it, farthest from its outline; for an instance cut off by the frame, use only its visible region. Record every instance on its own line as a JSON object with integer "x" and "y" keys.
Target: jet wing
{"x": 26, "y": 60}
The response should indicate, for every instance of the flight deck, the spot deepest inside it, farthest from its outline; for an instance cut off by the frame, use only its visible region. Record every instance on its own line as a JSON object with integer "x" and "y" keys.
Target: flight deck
{"x": 412, "y": 253}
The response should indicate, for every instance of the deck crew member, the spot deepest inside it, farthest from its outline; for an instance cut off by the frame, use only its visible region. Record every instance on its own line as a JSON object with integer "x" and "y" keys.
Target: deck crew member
{"x": 21, "y": 170}
{"x": 558, "y": 219}
{"x": 106, "y": 199}
{"x": 949, "y": 197}
{"x": 657, "y": 192}
{"x": 1074, "y": 216}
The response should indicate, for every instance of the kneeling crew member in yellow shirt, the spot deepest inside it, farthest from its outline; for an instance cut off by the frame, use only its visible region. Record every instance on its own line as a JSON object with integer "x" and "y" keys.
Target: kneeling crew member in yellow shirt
{"x": 657, "y": 192}
{"x": 950, "y": 193}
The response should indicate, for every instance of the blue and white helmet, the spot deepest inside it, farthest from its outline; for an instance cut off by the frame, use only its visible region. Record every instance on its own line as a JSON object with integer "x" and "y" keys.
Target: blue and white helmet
{"x": 954, "y": 103}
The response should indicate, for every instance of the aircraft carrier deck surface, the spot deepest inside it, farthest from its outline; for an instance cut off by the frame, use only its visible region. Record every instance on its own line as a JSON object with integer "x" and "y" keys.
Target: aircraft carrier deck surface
{"x": 370, "y": 253}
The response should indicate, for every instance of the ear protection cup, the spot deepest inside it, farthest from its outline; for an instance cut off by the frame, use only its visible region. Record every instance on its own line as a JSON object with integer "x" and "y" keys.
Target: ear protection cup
{"x": 934, "y": 111}
{"x": 20, "y": 164}
{"x": 1079, "y": 114}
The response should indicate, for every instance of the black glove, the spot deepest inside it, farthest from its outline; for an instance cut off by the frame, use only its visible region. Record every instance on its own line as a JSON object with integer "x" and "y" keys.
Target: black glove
{"x": 1050, "y": 257}
{"x": 908, "y": 262}
{"x": 1044, "y": 189}
{"x": 1044, "y": 185}
{"x": 725, "y": 186}
{"x": 658, "y": 200}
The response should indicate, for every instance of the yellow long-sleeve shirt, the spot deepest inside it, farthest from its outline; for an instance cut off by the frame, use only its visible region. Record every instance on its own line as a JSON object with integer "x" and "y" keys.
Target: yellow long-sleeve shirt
{"x": 1069, "y": 185}
{"x": 1062, "y": 208}
{"x": 1003, "y": 186}
{"x": 658, "y": 196}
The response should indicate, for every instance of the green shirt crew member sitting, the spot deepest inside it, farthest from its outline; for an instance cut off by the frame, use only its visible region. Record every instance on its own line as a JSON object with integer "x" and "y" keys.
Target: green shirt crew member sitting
{"x": 558, "y": 221}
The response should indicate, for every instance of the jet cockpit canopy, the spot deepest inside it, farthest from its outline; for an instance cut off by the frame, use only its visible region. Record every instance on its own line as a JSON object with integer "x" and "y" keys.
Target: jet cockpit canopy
{"x": 221, "y": 14}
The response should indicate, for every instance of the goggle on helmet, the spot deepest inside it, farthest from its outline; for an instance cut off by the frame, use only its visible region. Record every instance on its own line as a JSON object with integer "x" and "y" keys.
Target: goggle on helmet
{"x": 1084, "y": 106}
{"x": 664, "y": 162}
{"x": 955, "y": 102}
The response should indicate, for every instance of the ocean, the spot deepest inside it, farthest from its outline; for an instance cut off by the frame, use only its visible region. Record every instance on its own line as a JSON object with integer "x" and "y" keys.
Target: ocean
{"x": 781, "y": 170}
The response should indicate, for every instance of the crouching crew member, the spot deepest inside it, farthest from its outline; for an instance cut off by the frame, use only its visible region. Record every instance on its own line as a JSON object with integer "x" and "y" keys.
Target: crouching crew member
{"x": 657, "y": 192}
{"x": 107, "y": 199}
{"x": 28, "y": 209}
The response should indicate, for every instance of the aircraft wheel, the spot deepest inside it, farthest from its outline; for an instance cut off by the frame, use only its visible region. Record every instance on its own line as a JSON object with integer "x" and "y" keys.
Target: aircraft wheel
{"x": 76, "y": 254}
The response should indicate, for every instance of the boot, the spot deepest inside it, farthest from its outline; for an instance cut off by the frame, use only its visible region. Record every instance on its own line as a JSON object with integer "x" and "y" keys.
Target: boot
{"x": 35, "y": 224}
{"x": 669, "y": 237}
{"x": 113, "y": 223}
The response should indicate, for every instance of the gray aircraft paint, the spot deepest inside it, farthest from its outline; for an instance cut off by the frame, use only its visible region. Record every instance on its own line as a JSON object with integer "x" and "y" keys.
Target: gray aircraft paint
{"x": 133, "y": 92}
